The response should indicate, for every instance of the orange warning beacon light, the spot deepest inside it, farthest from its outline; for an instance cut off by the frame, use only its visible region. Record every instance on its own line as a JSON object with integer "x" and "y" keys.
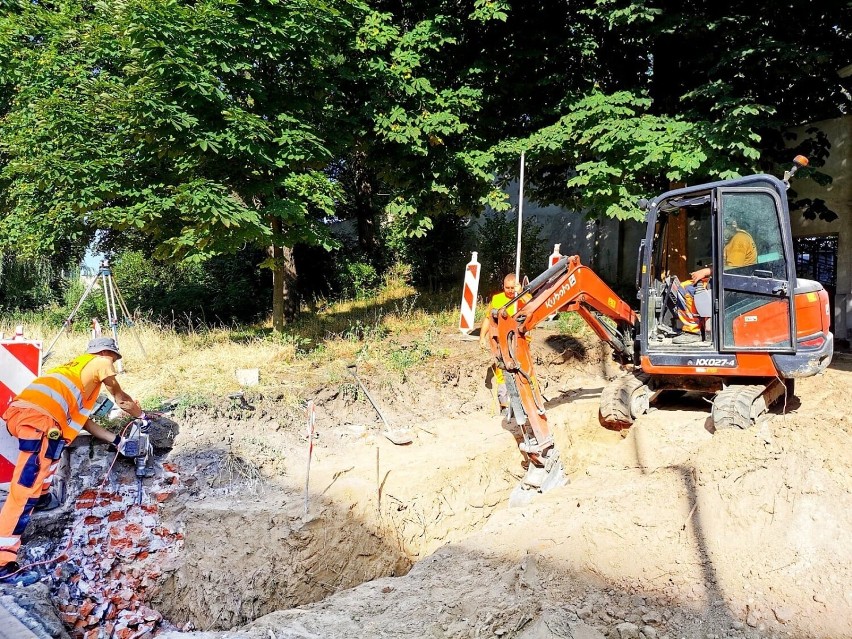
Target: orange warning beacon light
{"x": 798, "y": 162}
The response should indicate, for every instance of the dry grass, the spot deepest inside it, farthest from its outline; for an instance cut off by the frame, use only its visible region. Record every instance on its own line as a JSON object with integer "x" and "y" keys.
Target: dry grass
{"x": 200, "y": 364}
{"x": 397, "y": 329}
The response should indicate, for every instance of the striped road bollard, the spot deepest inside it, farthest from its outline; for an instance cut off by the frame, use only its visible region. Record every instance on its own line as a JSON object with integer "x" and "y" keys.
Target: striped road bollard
{"x": 20, "y": 363}
{"x": 551, "y": 261}
{"x": 468, "y": 303}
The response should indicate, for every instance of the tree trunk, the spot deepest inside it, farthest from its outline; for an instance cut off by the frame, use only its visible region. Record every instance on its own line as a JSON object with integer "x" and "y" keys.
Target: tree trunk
{"x": 363, "y": 203}
{"x": 276, "y": 253}
{"x": 288, "y": 285}
{"x": 285, "y": 301}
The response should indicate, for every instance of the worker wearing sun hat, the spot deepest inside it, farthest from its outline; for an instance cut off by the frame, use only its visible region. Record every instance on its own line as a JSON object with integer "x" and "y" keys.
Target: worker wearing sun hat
{"x": 45, "y": 417}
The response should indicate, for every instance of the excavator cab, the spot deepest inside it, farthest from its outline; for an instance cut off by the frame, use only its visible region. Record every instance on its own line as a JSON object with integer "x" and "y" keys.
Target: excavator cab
{"x": 738, "y": 231}
{"x": 758, "y": 324}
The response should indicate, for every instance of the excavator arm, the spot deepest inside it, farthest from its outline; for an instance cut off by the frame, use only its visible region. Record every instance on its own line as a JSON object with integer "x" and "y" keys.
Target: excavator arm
{"x": 566, "y": 286}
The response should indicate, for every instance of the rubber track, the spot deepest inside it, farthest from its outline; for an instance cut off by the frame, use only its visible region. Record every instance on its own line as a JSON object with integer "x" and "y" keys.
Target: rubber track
{"x": 615, "y": 399}
{"x": 732, "y": 406}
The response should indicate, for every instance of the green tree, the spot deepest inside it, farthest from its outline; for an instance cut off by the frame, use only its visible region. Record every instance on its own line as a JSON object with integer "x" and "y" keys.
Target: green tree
{"x": 697, "y": 90}
{"x": 413, "y": 154}
{"x": 205, "y": 125}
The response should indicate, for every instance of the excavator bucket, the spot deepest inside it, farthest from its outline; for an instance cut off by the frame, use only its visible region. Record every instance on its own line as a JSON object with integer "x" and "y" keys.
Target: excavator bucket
{"x": 537, "y": 481}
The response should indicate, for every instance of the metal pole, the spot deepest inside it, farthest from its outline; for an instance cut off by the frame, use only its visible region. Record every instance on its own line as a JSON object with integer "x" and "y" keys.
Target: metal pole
{"x": 109, "y": 300}
{"x": 520, "y": 223}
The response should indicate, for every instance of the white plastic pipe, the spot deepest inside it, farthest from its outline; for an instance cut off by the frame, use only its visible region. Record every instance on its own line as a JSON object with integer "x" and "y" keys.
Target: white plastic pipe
{"x": 520, "y": 223}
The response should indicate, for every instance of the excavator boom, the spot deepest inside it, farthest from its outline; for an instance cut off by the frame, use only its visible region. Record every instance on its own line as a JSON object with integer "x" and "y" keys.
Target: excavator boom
{"x": 566, "y": 286}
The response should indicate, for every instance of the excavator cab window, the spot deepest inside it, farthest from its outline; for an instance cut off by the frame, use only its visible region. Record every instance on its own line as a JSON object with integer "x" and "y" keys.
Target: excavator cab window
{"x": 755, "y": 285}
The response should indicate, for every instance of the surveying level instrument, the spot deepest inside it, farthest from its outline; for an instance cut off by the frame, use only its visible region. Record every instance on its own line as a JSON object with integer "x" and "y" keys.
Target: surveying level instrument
{"x": 114, "y": 305}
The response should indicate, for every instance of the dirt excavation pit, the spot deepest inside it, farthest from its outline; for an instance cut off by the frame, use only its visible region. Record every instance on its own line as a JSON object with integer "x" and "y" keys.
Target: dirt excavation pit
{"x": 218, "y": 540}
{"x": 373, "y": 511}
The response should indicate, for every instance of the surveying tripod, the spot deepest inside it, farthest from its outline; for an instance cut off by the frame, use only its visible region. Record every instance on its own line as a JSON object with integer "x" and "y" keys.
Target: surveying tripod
{"x": 114, "y": 305}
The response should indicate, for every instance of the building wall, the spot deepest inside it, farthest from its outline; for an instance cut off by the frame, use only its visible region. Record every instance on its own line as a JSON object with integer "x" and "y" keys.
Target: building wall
{"x": 838, "y": 197}
{"x": 608, "y": 246}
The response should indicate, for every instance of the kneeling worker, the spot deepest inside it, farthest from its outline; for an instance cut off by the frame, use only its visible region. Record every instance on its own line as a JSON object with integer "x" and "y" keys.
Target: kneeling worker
{"x": 45, "y": 417}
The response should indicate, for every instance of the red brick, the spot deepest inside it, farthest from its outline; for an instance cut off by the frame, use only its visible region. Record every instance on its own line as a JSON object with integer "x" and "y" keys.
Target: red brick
{"x": 120, "y": 543}
{"x": 116, "y": 515}
{"x": 69, "y": 618}
{"x": 94, "y": 633}
{"x": 133, "y": 529}
{"x": 170, "y": 468}
{"x": 149, "y": 614}
{"x": 163, "y": 497}
{"x": 142, "y": 555}
{"x": 91, "y": 520}
{"x": 86, "y": 608}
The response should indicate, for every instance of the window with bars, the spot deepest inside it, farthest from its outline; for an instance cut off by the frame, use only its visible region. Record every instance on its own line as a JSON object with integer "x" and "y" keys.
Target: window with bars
{"x": 816, "y": 258}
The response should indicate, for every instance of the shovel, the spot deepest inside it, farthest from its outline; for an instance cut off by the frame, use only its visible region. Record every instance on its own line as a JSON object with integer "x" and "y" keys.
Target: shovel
{"x": 398, "y": 437}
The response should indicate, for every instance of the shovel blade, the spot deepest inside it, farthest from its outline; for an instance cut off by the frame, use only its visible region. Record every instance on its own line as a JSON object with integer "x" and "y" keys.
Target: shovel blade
{"x": 398, "y": 437}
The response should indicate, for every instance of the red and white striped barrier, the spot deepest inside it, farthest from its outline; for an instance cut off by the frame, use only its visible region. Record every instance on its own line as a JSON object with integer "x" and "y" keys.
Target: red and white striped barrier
{"x": 553, "y": 259}
{"x": 468, "y": 303}
{"x": 555, "y": 256}
{"x": 20, "y": 363}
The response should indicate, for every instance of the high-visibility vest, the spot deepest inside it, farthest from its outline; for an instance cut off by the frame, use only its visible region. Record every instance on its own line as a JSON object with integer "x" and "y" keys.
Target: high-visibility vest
{"x": 60, "y": 393}
{"x": 500, "y": 300}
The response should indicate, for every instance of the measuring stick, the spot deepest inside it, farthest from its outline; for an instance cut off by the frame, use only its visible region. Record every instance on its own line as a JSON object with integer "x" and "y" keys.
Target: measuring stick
{"x": 310, "y": 431}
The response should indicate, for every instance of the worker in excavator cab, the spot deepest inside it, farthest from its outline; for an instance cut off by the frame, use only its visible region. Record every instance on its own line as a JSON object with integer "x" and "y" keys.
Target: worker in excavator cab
{"x": 511, "y": 288}
{"x": 740, "y": 250}
{"x": 45, "y": 417}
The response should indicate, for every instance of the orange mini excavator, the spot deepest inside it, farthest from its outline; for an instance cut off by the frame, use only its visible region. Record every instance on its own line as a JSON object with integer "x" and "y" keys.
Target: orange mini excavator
{"x": 760, "y": 327}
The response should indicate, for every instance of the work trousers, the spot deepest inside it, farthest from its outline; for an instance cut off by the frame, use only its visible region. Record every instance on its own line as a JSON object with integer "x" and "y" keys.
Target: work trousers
{"x": 37, "y": 462}
{"x": 685, "y": 305}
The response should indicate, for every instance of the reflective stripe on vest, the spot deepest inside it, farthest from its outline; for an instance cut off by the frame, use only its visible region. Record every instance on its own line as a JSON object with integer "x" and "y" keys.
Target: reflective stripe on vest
{"x": 60, "y": 393}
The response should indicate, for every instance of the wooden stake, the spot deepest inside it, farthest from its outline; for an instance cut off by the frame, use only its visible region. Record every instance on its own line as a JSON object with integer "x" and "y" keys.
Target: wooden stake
{"x": 310, "y": 431}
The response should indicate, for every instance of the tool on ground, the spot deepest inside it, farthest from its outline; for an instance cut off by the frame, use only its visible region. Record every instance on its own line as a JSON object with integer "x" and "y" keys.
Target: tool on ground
{"x": 138, "y": 446}
{"x": 398, "y": 437}
{"x": 115, "y": 305}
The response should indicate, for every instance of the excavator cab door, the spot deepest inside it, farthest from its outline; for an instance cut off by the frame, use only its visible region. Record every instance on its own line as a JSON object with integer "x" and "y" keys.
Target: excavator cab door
{"x": 756, "y": 281}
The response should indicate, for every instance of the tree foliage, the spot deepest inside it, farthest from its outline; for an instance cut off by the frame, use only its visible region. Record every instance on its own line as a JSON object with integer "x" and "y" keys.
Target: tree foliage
{"x": 711, "y": 91}
{"x": 197, "y": 128}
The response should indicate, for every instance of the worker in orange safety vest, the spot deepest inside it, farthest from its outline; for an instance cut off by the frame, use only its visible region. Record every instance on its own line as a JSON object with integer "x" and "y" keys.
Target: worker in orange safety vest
{"x": 45, "y": 417}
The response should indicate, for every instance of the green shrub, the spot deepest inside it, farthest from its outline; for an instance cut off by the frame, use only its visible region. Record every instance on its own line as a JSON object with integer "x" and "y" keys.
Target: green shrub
{"x": 28, "y": 284}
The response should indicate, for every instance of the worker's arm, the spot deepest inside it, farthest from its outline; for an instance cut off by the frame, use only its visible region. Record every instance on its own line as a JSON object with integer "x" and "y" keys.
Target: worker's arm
{"x": 102, "y": 433}
{"x": 700, "y": 274}
{"x": 125, "y": 402}
{"x": 485, "y": 329}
